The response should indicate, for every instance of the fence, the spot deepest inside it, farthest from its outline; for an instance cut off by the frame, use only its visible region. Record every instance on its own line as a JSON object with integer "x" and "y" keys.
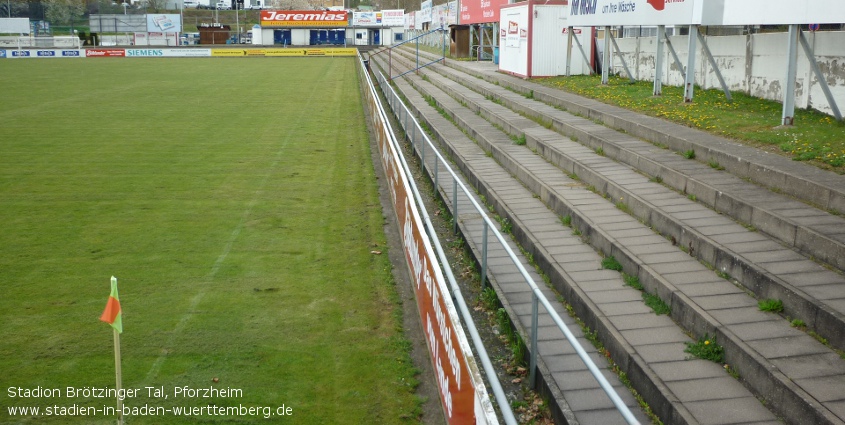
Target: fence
{"x": 421, "y": 143}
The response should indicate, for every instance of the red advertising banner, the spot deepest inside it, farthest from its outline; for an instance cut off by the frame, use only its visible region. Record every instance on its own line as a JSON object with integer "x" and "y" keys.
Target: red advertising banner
{"x": 440, "y": 322}
{"x": 103, "y": 53}
{"x": 480, "y": 12}
{"x": 303, "y": 18}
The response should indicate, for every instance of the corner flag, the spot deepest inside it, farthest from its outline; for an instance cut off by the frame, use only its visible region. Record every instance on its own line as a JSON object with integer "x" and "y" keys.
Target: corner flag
{"x": 111, "y": 314}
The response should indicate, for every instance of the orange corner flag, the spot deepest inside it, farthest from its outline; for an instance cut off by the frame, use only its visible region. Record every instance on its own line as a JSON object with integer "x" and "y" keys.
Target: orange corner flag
{"x": 112, "y": 314}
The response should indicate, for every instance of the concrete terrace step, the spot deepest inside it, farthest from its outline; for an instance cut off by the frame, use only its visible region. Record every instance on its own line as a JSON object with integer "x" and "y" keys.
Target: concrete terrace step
{"x": 763, "y": 266}
{"x": 578, "y": 397}
{"x": 809, "y": 229}
{"x": 819, "y": 187}
{"x": 761, "y": 345}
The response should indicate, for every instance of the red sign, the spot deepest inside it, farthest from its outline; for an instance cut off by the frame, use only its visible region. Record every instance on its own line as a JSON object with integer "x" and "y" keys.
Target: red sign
{"x": 478, "y": 12}
{"x": 439, "y": 318}
{"x": 102, "y": 53}
{"x": 303, "y": 18}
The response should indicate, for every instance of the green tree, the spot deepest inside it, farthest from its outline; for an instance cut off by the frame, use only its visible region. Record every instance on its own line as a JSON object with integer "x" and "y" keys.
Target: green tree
{"x": 63, "y": 12}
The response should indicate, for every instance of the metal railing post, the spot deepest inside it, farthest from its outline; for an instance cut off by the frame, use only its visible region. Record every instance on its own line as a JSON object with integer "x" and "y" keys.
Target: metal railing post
{"x": 422, "y": 155}
{"x": 436, "y": 178}
{"x": 455, "y": 204}
{"x": 484, "y": 258}
{"x": 532, "y": 374}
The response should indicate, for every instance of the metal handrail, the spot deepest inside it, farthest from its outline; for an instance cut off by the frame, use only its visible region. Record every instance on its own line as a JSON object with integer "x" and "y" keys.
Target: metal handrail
{"x": 389, "y": 51}
{"x": 537, "y": 295}
{"x": 478, "y": 344}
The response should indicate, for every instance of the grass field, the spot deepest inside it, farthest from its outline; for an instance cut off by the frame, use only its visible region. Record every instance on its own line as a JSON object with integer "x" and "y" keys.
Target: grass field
{"x": 235, "y": 201}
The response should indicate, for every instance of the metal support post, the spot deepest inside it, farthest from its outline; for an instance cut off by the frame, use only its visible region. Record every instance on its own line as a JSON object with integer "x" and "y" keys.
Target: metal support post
{"x": 532, "y": 364}
{"x": 422, "y": 155}
{"x": 622, "y": 58}
{"x": 436, "y": 177}
{"x": 568, "y": 50}
{"x": 819, "y": 76}
{"x": 788, "y": 117}
{"x": 455, "y": 205}
{"x": 689, "y": 79}
{"x": 584, "y": 54}
{"x": 484, "y": 257}
{"x": 675, "y": 56}
{"x": 605, "y": 58}
{"x": 658, "y": 61}
{"x": 715, "y": 67}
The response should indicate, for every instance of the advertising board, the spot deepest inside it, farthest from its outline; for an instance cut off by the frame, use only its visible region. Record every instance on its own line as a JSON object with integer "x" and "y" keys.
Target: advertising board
{"x": 445, "y": 339}
{"x": 14, "y": 25}
{"x": 782, "y": 12}
{"x": 40, "y": 53}
{"x": 105, "y": 53}
{"x": 168, "y": 53}
{"x": 480, "y": 12}
{"x": 164, "y": 23}
{"x": 303, "y": 18}
{"x": 393, "y": 18}
{"x": 366, "y": 19}
{"x": 425, "y": 12}
{"x": 692, "y": 12}
{"x": 632, "y": 12}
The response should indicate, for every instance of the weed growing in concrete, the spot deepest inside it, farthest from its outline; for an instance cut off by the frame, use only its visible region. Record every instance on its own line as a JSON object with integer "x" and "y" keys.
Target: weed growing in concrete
{"x": 600, "y": 151}
{"x": 520, "y": 141}
{"x": 507, "y": 226}
{"x": 706, "y": 348}
{"x": 633, "y": 282}
{"x": 488, "y": 299}
{"x": 798, "y": 323}
{"x": 715, "y": 165}
{"x": 656, "y": 179}
{"x": 566, "y": 220}
{"x": 656, "y": 304}
{"x": 611, "y": 263}
{"x": 771, "y": 305}
{"x": 692, "y": 197}
{"x": 690, "y": 154}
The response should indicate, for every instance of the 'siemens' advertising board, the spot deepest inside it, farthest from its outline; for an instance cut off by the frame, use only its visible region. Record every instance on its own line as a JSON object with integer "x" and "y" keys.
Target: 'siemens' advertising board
{"x": 303, "y": 18}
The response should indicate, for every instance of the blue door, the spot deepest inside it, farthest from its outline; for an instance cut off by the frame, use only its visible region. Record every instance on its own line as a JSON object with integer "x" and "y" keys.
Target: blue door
{"x": 340, "y": 38}
{"x": 314, "y": 39}
{"x": 281, "y": 37}
{"x": 324, "y": 37}
{"x": 377, "y": 37}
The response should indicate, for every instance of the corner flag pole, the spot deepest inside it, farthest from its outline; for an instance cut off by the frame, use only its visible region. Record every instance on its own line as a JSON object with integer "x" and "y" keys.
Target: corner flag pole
{"x": 114, "y": 317}
{"x": 118, "y": 376}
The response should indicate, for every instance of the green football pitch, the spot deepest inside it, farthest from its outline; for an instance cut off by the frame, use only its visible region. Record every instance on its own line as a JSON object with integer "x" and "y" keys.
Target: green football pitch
{"x": 236, "y": 203}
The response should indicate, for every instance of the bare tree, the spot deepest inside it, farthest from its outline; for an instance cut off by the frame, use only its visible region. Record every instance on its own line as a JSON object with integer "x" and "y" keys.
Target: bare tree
{"x": 62, "y": 12}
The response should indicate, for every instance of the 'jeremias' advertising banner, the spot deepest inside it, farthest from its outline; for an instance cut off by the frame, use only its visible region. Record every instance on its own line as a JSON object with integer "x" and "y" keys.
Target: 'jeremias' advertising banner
{"x": 480, "y": 11}
{"x": 303, "y": 18}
